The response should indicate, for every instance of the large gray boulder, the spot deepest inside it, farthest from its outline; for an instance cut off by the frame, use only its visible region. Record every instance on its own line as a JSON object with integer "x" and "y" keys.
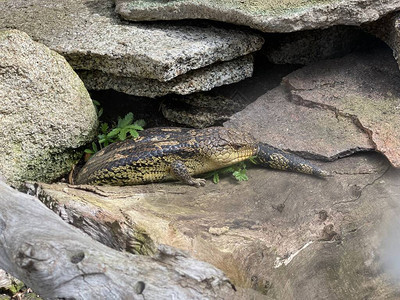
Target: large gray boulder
{"x": 45, "y": 111}
{"x": 91, "y": 36}
{"x": 268, "y": 16}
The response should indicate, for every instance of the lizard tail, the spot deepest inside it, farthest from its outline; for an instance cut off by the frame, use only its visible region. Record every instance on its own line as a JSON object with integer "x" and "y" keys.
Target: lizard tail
{"x": 274, "y": 158}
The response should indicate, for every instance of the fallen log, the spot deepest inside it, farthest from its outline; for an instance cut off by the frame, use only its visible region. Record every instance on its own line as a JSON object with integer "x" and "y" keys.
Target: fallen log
{"x": 58, "y": 261}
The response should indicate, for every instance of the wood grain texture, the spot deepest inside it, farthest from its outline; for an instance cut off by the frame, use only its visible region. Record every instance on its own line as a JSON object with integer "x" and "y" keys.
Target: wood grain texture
{"x": 59, "y": 261}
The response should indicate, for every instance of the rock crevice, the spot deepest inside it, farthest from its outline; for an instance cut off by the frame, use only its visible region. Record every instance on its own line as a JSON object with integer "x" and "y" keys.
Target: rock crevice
{"x": 297, "y": 99}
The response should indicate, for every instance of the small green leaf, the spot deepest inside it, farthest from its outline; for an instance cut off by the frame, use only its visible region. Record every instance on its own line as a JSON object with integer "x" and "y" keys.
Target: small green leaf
{"x": 95, "y": 102}
{"x": 127, "y": 120}
{"x": 253, "y": 160}
{"x": 89, "y": 151}
{"x": 240, "y": 175}
{"x": 135, "y": 127}
{"x": 216, "y": 177}
{"x": 122, "y": 134}
{"x": 100, "y": 112}
{"x": 134, "y": 133}
{"x": 94, "y": 147}
{"x": 113, "y": 132}
{"x": 104, "y": 128}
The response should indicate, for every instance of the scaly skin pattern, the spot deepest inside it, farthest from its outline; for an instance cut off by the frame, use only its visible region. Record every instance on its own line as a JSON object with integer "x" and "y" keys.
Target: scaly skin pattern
{"x": 162, "y": 154}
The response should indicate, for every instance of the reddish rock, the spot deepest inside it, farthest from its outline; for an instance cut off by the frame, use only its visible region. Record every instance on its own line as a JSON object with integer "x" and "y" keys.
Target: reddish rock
{"x": 388, "y": 30}
{"x": 312, "y": 132}
{"x": 361, "y": 87}
{"x": 332, "y": 108}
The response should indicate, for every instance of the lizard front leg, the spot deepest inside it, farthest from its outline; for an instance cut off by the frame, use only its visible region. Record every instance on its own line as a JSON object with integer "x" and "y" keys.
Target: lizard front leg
{"x": 179, "y": 171}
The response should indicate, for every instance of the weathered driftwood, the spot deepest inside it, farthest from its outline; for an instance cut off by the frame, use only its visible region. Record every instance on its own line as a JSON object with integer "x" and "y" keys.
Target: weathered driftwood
{"x": 283, "y": 235}
{"x": 59, "y": 261}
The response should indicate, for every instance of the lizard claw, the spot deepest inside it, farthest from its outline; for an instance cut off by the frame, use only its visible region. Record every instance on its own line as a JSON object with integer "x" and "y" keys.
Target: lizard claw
{"x": 198, "y": 182}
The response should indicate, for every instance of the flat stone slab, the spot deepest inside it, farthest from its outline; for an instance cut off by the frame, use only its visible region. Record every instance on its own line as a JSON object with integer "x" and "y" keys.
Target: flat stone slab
{"x": 202, "y": 79}
{"x": 362, "y": 87}
{"x": 332, "y": 108}
{"x": 311, "y": 132}
{"x": 286, "y": 235}
{"x": 264, "y": 15}
{"x": 92, "y": 37}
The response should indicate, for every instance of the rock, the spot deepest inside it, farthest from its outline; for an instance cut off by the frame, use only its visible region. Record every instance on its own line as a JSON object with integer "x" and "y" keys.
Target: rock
{"x": 5, "y": 280}
{"x": 388, "y": 30}
{"x": 45, "y": 111}
{"x": 313, "y": 133}
{"x": 265, "y": 77}
{"x": 363, "y": 87}
{"x": 199, "y": 110}
{"x": 309, "y": 46}
{"x": 217, "y": 106}
{"x": 202, "y": 79}
{"x": 11, "y": 285}
{"x": 286, "y": 235}
{"x": 337, "y": 107}
{"x": 267, "y": 16}
{"x": 92, "y": 37}
{"x": 218, "y": 230}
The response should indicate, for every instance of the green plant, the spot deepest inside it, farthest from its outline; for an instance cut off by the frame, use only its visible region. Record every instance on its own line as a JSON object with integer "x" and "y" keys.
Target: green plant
{"x": 238, "y": 171}
{"x": 124, "y": 129}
